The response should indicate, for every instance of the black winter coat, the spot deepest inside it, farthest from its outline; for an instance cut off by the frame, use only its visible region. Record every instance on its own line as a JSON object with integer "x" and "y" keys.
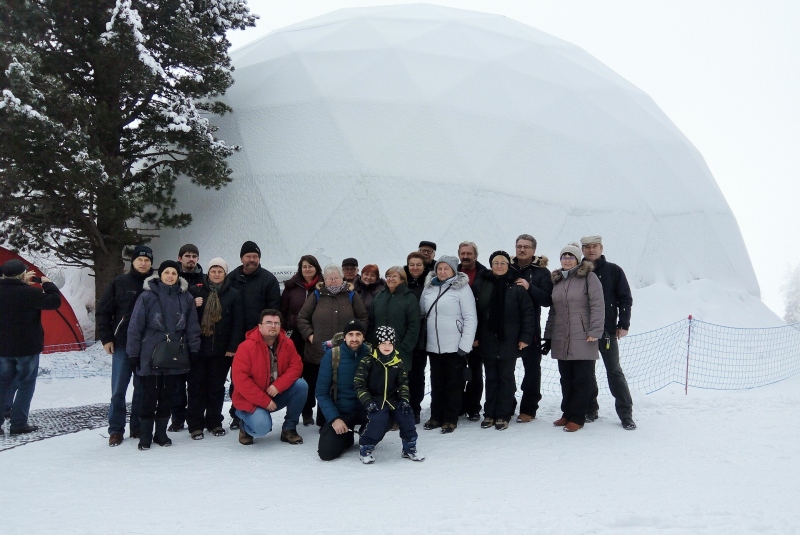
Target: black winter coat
{"x": 259, "y": 290}
{"x": 228, "y": 331}
{"x": 540, "y": 288}
{"x": 116, "y": 306}
{"x": 415, "y": 285}
{"x": 194, "y": 278}
{"x": 480, "y": 268}
{"x": 400, "y": 311}
{"x": 518, "y": 319}
{"x": 617, "y": 295}
{"x": 21, "y": 305}
{"x": 382, "y": 379}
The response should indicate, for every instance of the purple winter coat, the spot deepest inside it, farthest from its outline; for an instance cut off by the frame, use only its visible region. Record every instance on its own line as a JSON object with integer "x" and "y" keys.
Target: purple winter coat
{"x": 146, "y": 327}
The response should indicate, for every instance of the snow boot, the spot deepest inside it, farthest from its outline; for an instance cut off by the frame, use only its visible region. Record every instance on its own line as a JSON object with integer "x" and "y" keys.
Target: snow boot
{"x": 591, "y": 416}
{"x": 160, "y": 437}
{"x": 365, "y": 454}
{"x": 628, "y": 424}
{"x": 145, "y": 433}
{"x": 410, "y": 451}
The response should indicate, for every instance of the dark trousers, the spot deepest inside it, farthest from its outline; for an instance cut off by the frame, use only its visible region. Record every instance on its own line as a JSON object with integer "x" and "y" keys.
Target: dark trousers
{"x": 501, "y": 385}
{"x": 577, "y": 381}
{"x": 447, "y": 386}
{"x": 532, "y": 381}
{"x": 232, "y": 410}
{"x": 157, "y": 395}
{"x": 179, "y": 400}
{"x": 382, "y": 420}
{"x": 471, "y": 399}
{"x": 207, "y": 392}
{"x": 616, "y": 380}
{"x": 310, "y": 374}
{"x": 416, "y": 379}
{"x": 332, "y": 445}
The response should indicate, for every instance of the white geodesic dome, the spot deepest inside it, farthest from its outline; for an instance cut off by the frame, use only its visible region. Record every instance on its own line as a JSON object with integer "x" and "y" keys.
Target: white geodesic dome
{"x": 366, "y": 130}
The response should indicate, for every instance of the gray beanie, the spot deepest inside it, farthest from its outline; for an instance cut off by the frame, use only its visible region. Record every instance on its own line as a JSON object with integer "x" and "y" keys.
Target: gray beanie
{"x": 574, "y": 249}
{"x": 451, "y": 261}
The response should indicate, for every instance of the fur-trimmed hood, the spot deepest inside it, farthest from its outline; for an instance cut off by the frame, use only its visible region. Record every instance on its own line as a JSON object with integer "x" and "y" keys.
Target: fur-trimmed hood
{"x": 582, "y": 270}
{"x": 462, "y": 279}
{"x": 321, "y": 286}
{"x": 538, "y": 261}
{"x": 154, "y": 278}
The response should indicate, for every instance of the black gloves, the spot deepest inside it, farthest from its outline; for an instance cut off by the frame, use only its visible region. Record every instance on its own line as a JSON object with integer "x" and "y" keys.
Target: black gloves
{"x": 546, "y": 344}
{"x": 370, "y": 407}
{"x": 404, "y": 407}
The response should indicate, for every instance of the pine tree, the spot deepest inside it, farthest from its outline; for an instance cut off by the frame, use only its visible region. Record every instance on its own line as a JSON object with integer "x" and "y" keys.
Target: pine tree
{"x": 105, "y": 104}
{"x": 792, "y": 296}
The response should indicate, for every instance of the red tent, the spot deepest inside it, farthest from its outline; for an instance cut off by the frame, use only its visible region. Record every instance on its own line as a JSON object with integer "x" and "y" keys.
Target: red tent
{"x": 62, "y": 332}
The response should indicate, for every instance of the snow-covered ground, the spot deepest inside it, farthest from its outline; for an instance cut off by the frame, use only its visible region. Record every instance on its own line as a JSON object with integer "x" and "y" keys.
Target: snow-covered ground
{"x": 709, "y": 462}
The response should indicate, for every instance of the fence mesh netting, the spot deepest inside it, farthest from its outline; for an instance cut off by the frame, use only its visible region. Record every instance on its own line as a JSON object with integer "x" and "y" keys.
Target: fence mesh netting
{"x": 722, "y": 358}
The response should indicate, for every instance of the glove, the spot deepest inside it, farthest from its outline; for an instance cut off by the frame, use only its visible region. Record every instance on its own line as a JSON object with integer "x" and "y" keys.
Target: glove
{"x": 194, "y": 358}
{"x": 370, "y": 407}
{"x": 546, "y": 344}
{"x": 404, "y": 407}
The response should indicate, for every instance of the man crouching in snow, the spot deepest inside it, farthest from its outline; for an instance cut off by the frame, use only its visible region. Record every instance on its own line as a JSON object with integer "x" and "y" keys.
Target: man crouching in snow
{"x": 266, "y": 371}
{"x": 382, "y": 387}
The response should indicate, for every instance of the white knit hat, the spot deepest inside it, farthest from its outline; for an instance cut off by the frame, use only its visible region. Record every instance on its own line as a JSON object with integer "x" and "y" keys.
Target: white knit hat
{"x": 574, "y": 249}
{"x": 218, "y": 262}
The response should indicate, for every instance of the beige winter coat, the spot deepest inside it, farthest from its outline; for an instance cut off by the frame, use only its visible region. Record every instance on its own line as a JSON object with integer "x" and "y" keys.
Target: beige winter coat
{"x": 577, "y": 312}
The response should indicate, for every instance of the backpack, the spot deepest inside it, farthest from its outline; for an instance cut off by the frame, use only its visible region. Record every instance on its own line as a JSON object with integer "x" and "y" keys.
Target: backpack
{"x": 336, "y": 357}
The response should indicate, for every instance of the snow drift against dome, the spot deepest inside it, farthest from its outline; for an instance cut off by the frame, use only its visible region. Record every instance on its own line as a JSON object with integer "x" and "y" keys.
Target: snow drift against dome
{"x": 366, "y": 130}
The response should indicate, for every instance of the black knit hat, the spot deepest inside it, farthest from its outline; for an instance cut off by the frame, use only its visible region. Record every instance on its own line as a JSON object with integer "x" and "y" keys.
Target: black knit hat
{"x": 169, "y": 264}
{"x": 424, "y": 243}
{"x": 499, "y": 253}
{"x": 354, "y": 325}
{"x": 13, "y": 267}
{"x": 249, "y": 247}
{"x": 142, "y": 250}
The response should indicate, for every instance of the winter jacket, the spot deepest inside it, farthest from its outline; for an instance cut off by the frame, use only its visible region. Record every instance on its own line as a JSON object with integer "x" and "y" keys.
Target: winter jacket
{"x": 367, "y": 292}
{"x": 517, "y": 319}
{"x": 382, "y": 379}
{"x": 157, "y": 303}
{"x": 229, "y": 330}
{"x": 260, "y": 290}
{"x": 21, "y": 305}
{"x": 577, "y": 313}
{"x": 251, "y": 370}
{"x": 540, "y": 288}
{"x": 415, "y": 285}
{"x": 327, "y": 316}
{"x": 116, "y": 306}
{"x": 479, "y": 268}
{"x": 293, "y": 298}
{"x": 617, "y": 295}
{"x": 452, "y": 322}
{"x": 400, "y": 311}
{"x": 195, "y": 277}
{"x": 346, "y": 401}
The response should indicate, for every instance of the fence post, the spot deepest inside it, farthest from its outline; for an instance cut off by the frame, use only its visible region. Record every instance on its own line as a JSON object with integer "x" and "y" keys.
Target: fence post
{"x": 688, "y": 348}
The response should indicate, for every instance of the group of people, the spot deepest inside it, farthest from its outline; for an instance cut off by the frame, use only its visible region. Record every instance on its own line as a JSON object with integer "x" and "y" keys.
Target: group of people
{"x": 355, "y": 345}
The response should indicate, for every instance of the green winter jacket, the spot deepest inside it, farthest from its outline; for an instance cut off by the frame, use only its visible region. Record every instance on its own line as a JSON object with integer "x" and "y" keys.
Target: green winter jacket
{"x": 382, "y": 379}
{"x": 400, "y": 311}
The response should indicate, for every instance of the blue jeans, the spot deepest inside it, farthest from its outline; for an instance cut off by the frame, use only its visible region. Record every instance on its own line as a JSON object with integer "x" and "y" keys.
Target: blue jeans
{"x": 121, "y": 371}
{"x": 259, "y": 422}
{"x": 24, "y": 371}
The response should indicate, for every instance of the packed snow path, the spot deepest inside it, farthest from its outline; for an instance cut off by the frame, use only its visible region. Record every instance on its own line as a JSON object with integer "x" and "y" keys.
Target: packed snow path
{"x": 56, "y": 422}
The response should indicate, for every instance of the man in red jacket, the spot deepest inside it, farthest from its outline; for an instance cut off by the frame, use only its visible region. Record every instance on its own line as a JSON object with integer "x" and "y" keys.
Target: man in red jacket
{"x": 267, "y": 373}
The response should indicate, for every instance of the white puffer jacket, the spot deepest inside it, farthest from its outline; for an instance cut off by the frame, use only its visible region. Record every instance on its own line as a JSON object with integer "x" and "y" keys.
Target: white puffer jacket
{"x": 453, "y": 320}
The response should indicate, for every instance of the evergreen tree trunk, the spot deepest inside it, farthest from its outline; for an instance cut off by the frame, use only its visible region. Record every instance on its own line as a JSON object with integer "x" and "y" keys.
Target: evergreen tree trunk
{"x": 106, "y": 267}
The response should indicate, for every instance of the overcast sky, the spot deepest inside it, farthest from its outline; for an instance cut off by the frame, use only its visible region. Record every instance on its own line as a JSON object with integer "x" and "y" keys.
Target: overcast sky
{"x": 726, "y": 72}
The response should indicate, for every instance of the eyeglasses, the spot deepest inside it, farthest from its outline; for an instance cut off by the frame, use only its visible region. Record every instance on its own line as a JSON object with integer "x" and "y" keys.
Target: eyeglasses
{"x": 271, "y": 323}
{"x": 524, "y": 247}
{"x": 567, "y": 256}
{"x": 427, "y": 251}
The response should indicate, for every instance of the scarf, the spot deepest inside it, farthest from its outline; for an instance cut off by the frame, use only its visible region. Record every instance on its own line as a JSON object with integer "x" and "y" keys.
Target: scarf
{"x": 436, "y": 282}
{"x": 309, "y": 285}
{"x": 213, "y": 311}
{"x": 336, "y": 289}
